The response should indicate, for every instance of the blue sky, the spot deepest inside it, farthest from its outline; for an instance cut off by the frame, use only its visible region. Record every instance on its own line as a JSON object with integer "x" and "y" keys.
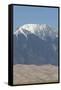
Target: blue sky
{"x": 39, "y": 15}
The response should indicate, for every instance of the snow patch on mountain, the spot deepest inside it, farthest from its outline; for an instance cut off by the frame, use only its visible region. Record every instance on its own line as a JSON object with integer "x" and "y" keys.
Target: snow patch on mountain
{"x": 40, "y": 30}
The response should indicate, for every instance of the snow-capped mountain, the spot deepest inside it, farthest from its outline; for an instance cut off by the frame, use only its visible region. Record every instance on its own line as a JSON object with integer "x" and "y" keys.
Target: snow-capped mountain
{"x": 40, "y": 30}
{"x": 35, "y": 44}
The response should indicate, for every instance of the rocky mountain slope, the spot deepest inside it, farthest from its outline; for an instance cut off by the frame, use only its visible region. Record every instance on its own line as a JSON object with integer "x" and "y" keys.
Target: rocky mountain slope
{"x": 35, "y": 44}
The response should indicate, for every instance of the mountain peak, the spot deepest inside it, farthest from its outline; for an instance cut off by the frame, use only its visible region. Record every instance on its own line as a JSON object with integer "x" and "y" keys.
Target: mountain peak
{"x": 34, "y": 27}
{"x": 40, "y": 30}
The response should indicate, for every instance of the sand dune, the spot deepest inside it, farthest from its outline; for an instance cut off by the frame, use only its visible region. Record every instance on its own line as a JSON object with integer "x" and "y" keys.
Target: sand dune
{"x": 28, "y": 74}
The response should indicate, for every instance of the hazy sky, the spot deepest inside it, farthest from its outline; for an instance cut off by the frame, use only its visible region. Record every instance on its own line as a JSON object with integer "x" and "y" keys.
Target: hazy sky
{"x": 39, "y": 15}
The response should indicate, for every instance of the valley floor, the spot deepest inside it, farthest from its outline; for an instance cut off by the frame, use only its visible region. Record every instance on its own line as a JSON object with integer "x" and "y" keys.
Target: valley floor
{"x": 28, "y": 74}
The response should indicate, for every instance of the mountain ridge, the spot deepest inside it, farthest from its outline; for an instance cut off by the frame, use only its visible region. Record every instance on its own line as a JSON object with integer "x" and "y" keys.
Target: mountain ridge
{"x": 35, "y": 48}
{"x": 40, "y": 30}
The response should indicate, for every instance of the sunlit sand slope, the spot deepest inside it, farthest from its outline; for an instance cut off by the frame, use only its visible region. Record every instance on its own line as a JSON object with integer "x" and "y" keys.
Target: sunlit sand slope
{"x": 28, "y": 74}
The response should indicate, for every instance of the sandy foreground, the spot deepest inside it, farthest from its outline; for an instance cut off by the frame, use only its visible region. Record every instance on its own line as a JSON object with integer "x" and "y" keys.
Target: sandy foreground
{"x": 28, "y": 74}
